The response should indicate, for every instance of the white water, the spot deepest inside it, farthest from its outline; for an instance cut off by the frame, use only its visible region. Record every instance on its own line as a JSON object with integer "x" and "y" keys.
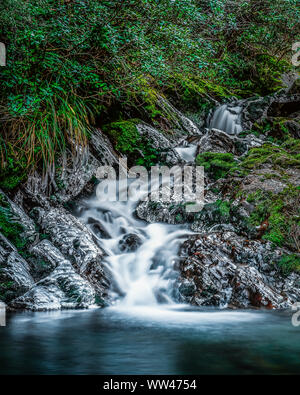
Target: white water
{"x": 227, "y": 119}
{"x": 145, "y": 276}
{"x": 187, "y": 153}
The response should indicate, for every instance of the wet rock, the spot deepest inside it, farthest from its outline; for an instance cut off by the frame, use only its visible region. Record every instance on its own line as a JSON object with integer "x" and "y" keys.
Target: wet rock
{"x": 167, "y": 212}
{"x": 130, "y": 243}
{"x": 15, "y": 276}
{"x": 227, "y": 269}
{"x": 76, "y": 242}
{"x": 63, "y": 288}
{"x": 97, "y": 228}
{"x": 222, "y": 215}
{"x": 219, "y": 141}
{"x": 22, "y": 218}
{"x": 160, "y": 143}
{"x": 181, "y": 125}
{"x": 187, "y": 288}
{"x": 103, "y": 149}
{"x": 73, "y": 177}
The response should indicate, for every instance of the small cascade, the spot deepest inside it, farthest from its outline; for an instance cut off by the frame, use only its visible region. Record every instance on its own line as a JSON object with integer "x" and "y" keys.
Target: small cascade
{"x": 140, "y": 256}
{"x": 187, "y": 151}
{"x": 227, "y": 118}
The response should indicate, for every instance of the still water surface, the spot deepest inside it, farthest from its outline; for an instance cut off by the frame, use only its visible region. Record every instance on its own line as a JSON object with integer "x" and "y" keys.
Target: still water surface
{"x": 144, "y": 340}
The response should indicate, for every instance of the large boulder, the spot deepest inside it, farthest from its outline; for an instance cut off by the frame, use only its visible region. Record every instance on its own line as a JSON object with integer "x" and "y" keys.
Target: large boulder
{"x": 63, "y": 288}
{"x": 76, "y": 242}
{"x": 15, "y": 275}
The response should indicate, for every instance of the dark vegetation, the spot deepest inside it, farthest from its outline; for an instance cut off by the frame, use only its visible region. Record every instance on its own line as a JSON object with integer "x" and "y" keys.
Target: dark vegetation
{"x": 70, "y": 62}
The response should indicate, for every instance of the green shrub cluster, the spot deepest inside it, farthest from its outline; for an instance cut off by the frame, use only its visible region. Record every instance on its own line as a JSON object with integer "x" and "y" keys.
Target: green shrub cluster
{"x": 70, "y": 60}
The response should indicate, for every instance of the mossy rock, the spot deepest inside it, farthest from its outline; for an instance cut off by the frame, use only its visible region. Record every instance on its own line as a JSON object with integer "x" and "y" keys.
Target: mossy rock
{"x": 9, "y": 225}
{"x": 277, "y": 215}
{"x": 216, "y": 164}
{"x": 128, "y": 141}
{"x": 289, "y": 263}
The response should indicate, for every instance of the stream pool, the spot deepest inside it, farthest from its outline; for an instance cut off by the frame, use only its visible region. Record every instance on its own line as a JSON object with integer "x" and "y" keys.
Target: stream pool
{"x": 150, "y": 340}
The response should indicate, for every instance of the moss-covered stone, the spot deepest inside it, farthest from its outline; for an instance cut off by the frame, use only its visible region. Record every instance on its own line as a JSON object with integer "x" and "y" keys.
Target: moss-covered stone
{"x": 128, "y": 141}
{"x": 216, "y": 164}
{"x": 277, "y": 215}
{"x": 289, "y": 263}
{"x": 9, "y": 225}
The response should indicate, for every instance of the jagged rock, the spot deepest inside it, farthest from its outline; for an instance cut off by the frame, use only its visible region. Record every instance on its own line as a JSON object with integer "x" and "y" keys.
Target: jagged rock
{"x": 63, "y": 288}
{"x": 103, "y": 149}
{"x": 76, "y": 242}
{"x": 36, "y": 191}
{"x": 130, "y": 243}
{"x": 73, "y": 178}
{"x": 226, "y": 269}
{"x": 260, "y": 179}
{"x": 159, "y": 142}
{"x": 293, "y": 126}
{"x": 22, "y": 218}
{"x": 218, "y": 141}
{"x": 278, "y": 105}
{"x": 15, "y": 277}
{"x": 181, "y": 124}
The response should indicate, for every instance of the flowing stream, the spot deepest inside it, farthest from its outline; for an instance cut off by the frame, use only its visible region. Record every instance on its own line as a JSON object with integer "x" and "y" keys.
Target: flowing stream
{"x": 146, "y": 331}
{"x": 140, "y": 256}
{"x": 227, "y": 118}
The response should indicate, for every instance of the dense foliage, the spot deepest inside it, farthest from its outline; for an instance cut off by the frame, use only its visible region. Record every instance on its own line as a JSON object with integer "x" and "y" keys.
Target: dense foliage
{"x": 70, "y": 62}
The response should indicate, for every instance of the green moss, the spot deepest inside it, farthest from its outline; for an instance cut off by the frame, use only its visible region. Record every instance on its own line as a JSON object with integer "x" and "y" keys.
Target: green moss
{"x": 289, "y": 263}
{"x": 224, "y": 208}
{"x": 216, "y": 164}
{"x": 268, "y": 72}
{"x": 9, "y": 226}
{"x": 125, "y": 135}
{"x": 128, "y": 141}
{"x": 288, "y": 155}
{"x": 280, "y": 214}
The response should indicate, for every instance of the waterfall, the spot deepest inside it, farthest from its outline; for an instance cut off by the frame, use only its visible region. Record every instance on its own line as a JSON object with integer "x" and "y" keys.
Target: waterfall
{"x": 140, "y": 256}
{"x": 227, "y": 118}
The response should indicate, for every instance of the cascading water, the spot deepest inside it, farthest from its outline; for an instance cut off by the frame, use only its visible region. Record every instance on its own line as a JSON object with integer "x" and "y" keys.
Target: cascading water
{"x": 227, "y": 118}
{"x": 140, "y": 256}
{"x": 187, "y": 151}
